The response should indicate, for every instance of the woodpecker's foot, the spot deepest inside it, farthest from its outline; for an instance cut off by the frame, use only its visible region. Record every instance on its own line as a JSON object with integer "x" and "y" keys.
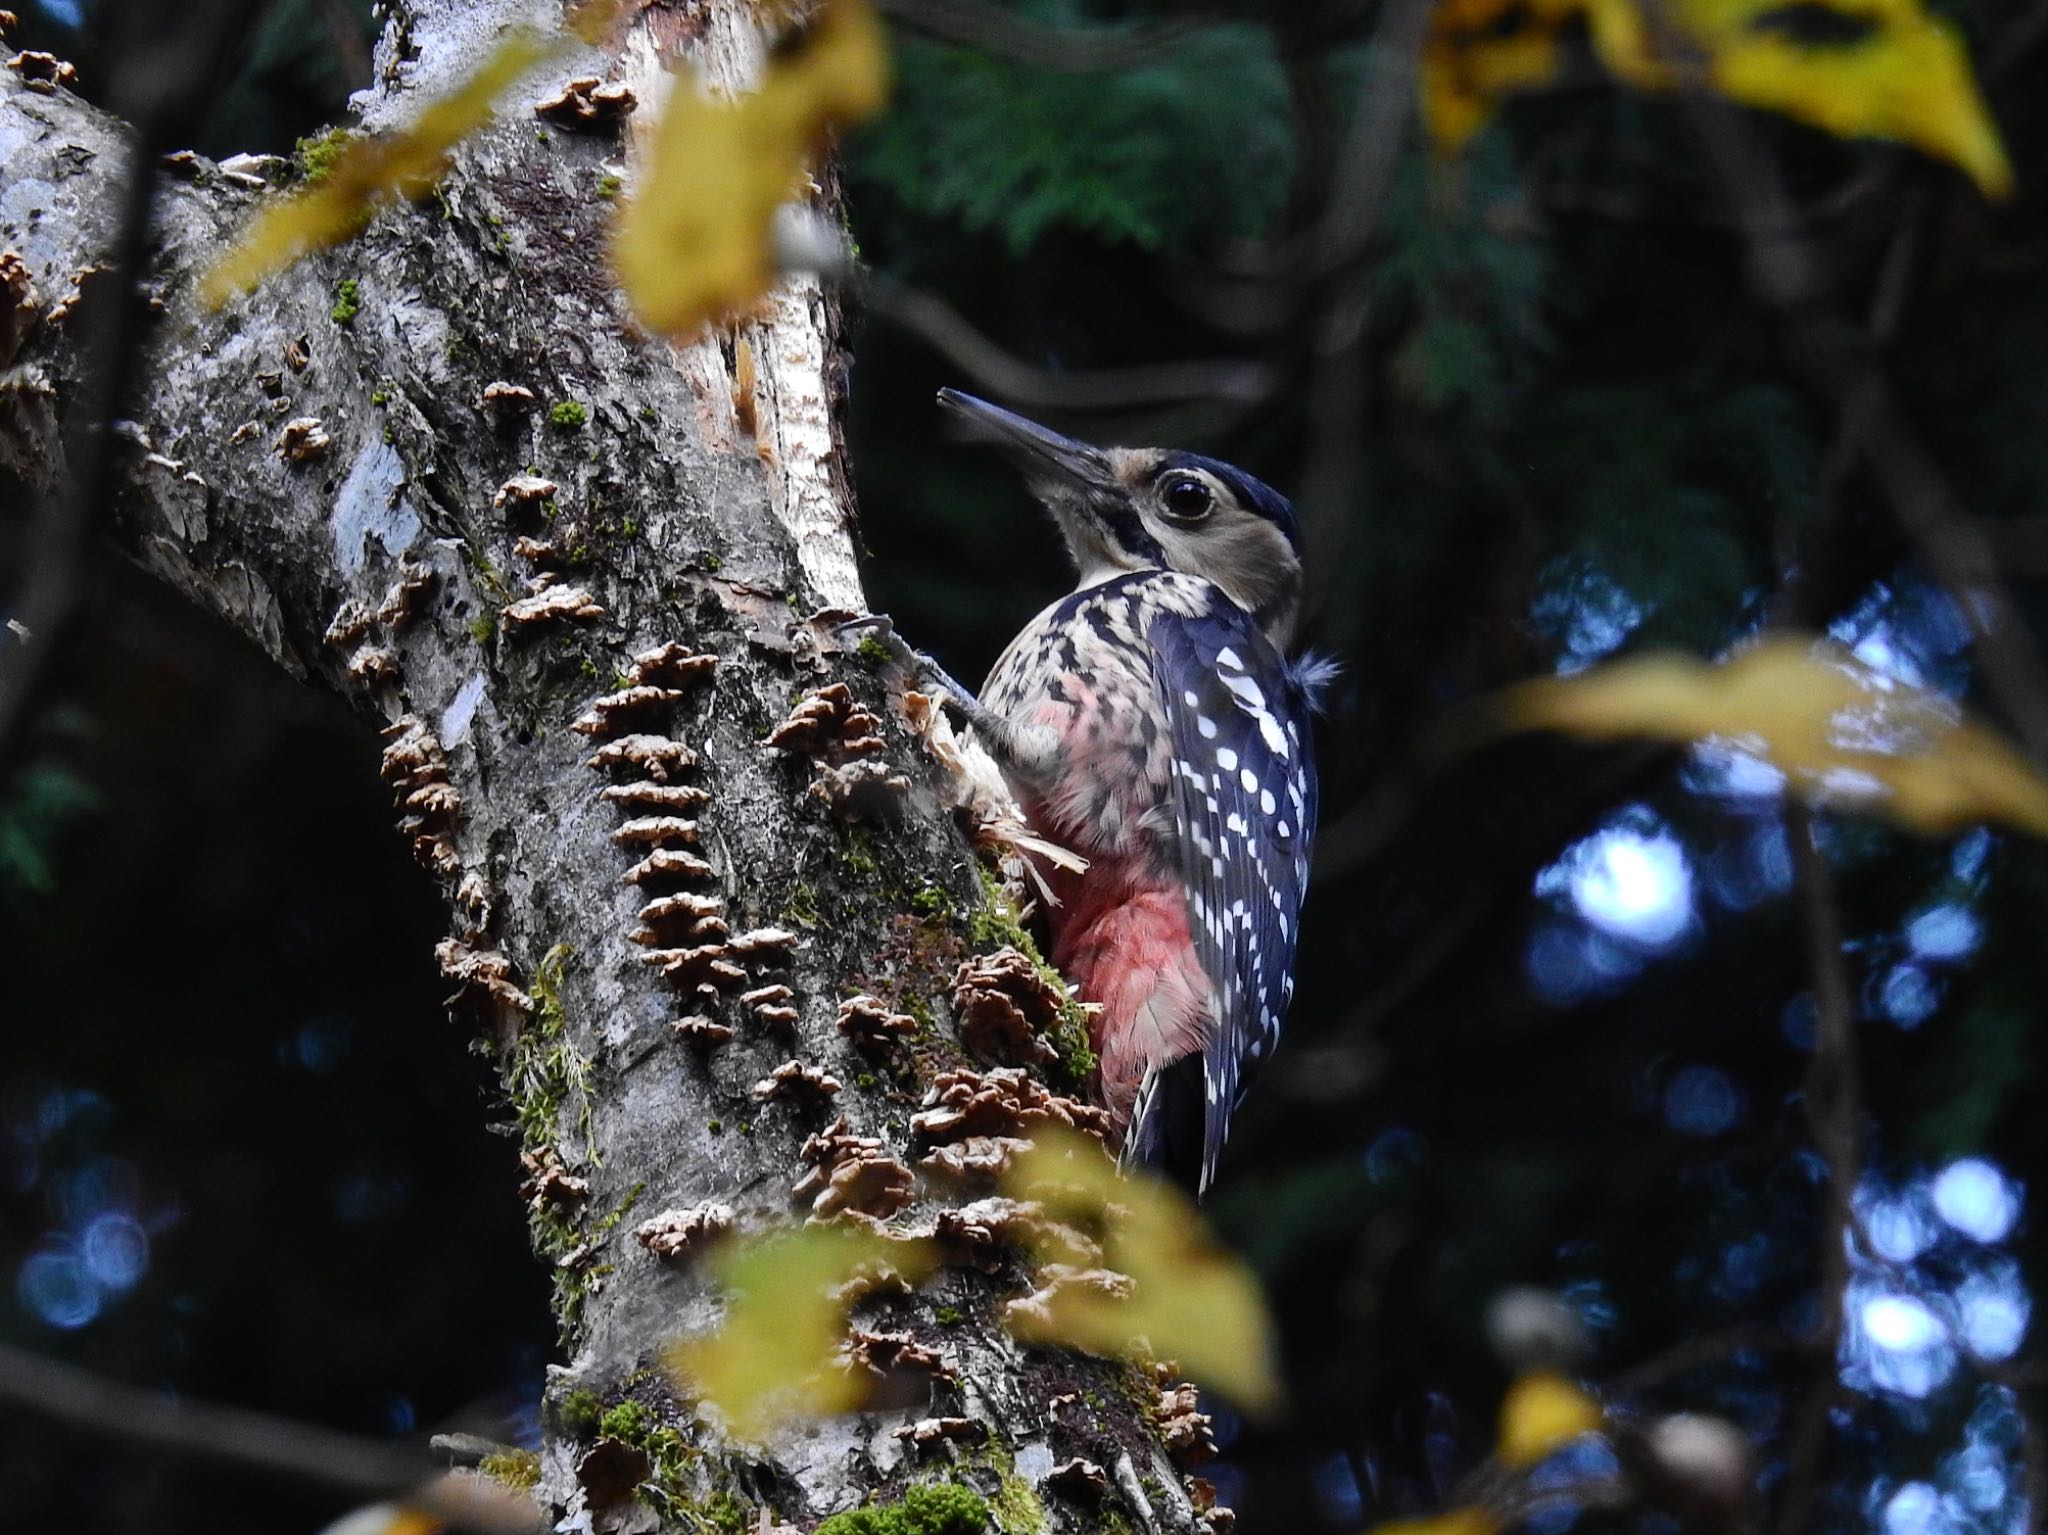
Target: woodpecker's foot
{"x": 1028, "y": 755}
{"x": 926, "y": 672}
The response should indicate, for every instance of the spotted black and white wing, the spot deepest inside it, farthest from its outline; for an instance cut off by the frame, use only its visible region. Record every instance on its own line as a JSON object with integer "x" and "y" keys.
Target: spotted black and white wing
{"x": 1245, "y": 810}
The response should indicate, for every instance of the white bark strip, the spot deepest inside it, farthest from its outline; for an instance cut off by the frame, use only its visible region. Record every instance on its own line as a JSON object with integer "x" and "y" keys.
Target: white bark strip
{"x": 791, "y": 398}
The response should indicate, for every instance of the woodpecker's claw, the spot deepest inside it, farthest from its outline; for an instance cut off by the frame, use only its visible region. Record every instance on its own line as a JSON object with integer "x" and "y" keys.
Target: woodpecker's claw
{"x": 923, "y": 670}
{"x": 883, "y": 628}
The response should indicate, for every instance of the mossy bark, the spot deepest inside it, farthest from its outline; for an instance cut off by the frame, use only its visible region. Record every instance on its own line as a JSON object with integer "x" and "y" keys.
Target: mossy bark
{"x": 382, "y": 565}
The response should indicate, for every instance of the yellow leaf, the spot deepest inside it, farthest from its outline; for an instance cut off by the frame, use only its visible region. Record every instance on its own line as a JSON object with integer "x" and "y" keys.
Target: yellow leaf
{"x": 773, "y": 1356}
{"x": 370, "y": 172}
{"x": 1542, "y": 1413}
{"x": 1187, "y": 1299}
{"x": 1839, "y": 731}
{"x": 1458, "y": 1521}
{"x": 694, "y": 243}
{"x": 1895, "y": 71}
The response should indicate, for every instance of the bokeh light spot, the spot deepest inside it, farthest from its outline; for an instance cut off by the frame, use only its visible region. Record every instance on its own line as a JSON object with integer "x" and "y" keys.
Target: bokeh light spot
{"x": 56, "y": 1287}
{"x": 1702, "y": 1101}
{"x": 1973, "y": 1196}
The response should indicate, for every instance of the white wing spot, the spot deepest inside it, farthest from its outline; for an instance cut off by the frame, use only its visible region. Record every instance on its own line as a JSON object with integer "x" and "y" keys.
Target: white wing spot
{"x": 1276, "y": 743}
{"x": 1266, "y": 801}
{"x": 1228, "y": 657}
{"x": 1247, "y": 692}
{"x": 1207, "y": 727}
{"x": 1250, "y": 780}
{"x": 1226, "y": 759}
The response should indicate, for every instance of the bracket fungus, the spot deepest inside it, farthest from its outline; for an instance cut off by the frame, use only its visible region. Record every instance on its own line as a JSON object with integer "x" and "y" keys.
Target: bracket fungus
{"x": 549, "y": 1184}
{"x": 19, "y": 306}
{"x": 926, "y": 1433}
{"x": 587, "y": 102}
{"x": 857, "y": 1173}
{"x": 524, "y": 491}
{"x": 681, "y": 1234}
{"x": 43, "y": 72}
{"x": 551, "y": 603}
{"x": 866, "y": 1023}
{"x": 302, "y": 439}
{"x": 980, "y": 1233}
{"x": 1004, "y": 1004}
{"x": 483, "y": 976}
{"x": 407, "y": 594}
{"x": 672, "y": 664}
{"x": 667, "y": 863}
{"x": 503, "y": 401}
{"x": 1079, "y": 1479}
{"x": 770, "y": 1006}
{"x": 766, "y": 946}
{"x": 700, "y": 1032}
{"x": 417, "y": 770}
{"x": 655, "y": 831}
{"x": 1183, "y": 1427}
{"x": 681, "y": 799}
{"x": 609, "y": 714}
{"x": 1005, "y": 1101}
{"x": 657, "y": 758}
{"x": 798, "y": 1083}
{"x": 703, "y": 963}
{"x": 842, "y": 739}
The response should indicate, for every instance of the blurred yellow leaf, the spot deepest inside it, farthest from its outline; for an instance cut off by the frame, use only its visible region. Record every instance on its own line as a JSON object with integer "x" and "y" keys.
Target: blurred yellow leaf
{"x": 1187, "y": 1299}
{"x": 694, "y": 243}
{"x": 1458, "y": 1521}
{"x": 1839, "y": 731}
{"x": 1542, "y": 1412}
{"x": 773, "y": 1356}
{"x": 1887, "y": 69}
{"x": 371, "y": 171}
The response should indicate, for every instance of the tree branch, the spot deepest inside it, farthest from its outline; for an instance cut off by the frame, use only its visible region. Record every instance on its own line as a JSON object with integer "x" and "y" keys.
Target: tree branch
{"x": 259, "y": 1441}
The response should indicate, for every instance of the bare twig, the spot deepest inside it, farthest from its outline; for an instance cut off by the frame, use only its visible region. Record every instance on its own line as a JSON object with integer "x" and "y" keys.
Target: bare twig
{"x": 1339, "y": 384}
{"x": 940, "y": 326}
{"x": 991, "y": 29}
{"x": 1691, "y": 1354}
{"x": 1834, "y": 1111}
{"x": 260, "y": 1442}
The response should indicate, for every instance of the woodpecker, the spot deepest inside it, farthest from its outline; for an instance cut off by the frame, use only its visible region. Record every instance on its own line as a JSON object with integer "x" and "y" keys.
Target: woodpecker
{"x": 1152, "y": 722}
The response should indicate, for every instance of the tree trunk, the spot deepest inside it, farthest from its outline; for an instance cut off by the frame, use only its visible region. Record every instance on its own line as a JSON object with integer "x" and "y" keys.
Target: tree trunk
{"x": 319, "y": 465}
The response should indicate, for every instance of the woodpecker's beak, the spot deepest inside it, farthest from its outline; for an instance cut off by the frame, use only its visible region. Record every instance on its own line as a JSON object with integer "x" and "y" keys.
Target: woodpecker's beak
{"x": 1051, "y": 463}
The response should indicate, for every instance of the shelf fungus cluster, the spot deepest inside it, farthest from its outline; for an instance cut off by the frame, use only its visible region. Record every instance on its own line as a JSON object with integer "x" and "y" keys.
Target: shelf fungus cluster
{"x": 976, "y": 1124}
{"x": 1004, "y": 1006}
{"x": 304, "y": 438}
{"x": 681, "y": 929}
{"x": 844, "y": 1171}
{"x": 417, "y": 770}
{"x": 549, "y": 1185}
{"x": 549, "y": 599}
{"x": 845, "y": 746}
{"x": 587, "y": 102}
{"x": 372, "y": 662}
{"x": 1183, "y": 1426}
{"x": 868, "y": 1025}
{"x": 681, "y": 1235}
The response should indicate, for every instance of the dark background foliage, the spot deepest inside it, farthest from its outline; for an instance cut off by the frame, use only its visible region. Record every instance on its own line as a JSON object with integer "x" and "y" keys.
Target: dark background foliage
{"x": 1556, "y": 1018}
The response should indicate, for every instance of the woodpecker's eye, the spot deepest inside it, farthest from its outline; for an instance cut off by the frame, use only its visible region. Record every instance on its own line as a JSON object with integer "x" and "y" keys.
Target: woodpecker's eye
{"x": 1187, "y": 498}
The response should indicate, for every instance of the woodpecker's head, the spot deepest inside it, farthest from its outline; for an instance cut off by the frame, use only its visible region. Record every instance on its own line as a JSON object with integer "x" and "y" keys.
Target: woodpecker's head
{"x": 1125, "y": 509}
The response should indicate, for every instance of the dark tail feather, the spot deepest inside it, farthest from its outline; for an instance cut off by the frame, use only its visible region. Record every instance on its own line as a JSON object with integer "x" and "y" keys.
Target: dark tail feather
{"x": 1166, "y": 1134}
